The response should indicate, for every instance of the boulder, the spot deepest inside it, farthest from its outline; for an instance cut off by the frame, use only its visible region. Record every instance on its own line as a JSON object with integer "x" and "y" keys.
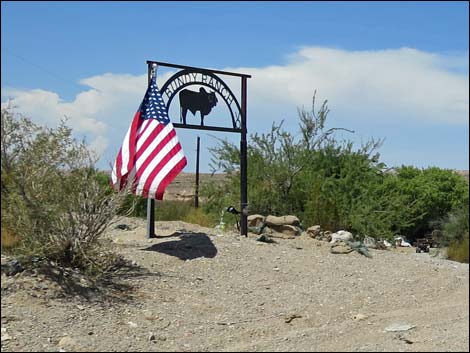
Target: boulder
{"x": 340, "y": 247}
{"x": 256, "y": 220}
{"x": 314, "y": 231}
{"x": 325, "y": 236}
{"x": 288, "y": 230}
{"x": 341, "y": 235}
{"x": 283, "y": 220}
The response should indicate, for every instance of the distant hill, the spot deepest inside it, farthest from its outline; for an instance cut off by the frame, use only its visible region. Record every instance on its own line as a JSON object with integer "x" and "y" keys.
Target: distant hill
{"x": 183, "y": 187}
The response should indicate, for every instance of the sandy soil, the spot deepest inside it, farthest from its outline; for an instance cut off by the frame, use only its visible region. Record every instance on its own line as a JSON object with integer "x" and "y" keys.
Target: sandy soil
{"x": 193, "y": 289}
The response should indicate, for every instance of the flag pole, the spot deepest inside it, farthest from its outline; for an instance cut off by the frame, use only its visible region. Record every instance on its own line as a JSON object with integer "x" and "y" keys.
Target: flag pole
{"x": 243, "y": 165}
{"x": 152, "y": 69}
{"x": 196, "y": 194}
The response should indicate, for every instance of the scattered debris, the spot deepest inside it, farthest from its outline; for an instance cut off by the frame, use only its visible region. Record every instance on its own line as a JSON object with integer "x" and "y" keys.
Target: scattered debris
{"x": 266, "y": 239}
{"x": 12, "y": 267}
{"x": 291, "y": 317}
{"x": 360, "y": 317}
{"x": 360, "y": 248}
{"x": 123, "y": 227}
{"x": 5, "y": 336}
{"x": 400, "y": 241}
{"x": 404, "y": 339}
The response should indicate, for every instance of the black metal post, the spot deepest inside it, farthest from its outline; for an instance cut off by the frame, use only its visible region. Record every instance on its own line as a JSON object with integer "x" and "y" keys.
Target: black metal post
{"x": 243, "y": 165}
{"x": 196, "y": 194}
{"x": 150, "y": 202}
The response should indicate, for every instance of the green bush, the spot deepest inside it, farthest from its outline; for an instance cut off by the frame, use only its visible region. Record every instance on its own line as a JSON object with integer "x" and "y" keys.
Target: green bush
{"x": 434, "y": 192}
{"x": 329, "y": 182}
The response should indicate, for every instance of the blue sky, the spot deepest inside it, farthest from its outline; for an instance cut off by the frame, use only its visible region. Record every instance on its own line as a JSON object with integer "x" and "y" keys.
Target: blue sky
{"x": 393, "y": 70}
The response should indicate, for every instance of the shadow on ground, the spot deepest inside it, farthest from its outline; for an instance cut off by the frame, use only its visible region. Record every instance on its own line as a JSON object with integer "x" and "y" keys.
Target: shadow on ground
{"x": 115, "y": 285}
{"x": 189, "y": 247}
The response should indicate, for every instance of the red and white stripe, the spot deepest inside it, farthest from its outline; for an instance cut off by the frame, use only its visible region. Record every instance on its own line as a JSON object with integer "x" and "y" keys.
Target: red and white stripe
{"x": 150, "y": 158}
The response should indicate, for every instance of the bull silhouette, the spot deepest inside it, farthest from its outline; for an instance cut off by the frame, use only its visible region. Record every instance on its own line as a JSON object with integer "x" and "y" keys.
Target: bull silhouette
{"x": 196, "y": 101}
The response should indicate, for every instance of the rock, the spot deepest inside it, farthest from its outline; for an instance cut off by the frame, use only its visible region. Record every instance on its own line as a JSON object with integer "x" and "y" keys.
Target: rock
{"x": 257, "y": 230}
{"x": 67, "y": 342}
{"x": 5, "y": 336}
{"x": 359, "y": 317}
{"x": 285, "y": 229}
{"x": 359, "y": 247}
{"x": 12, "y": 267}
{"x": 398, "y": 327}
{"x": 123, "y": 227}
{"x": 340, "y": 247}
{"x": 283, "y": 220}
{"x": 256, "y": 220}
{"x": 291, "y": 317}
{"x": 152, "y": 336}
{"x": 370, "y": 242}
{"x": 325, "y": 236}
{"x": 341, "y": 235}
{"x": 267, "y": 230}
{"x": 314, "y": 231}
{"x": 265, "y": 239}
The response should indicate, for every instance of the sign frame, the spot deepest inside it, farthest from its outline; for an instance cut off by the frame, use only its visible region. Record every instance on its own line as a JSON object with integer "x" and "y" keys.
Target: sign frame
{"x": 239, "y": 126}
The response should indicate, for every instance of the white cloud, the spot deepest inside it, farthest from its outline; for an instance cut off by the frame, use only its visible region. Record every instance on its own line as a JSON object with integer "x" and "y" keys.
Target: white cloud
{"x": 405, "y": 84}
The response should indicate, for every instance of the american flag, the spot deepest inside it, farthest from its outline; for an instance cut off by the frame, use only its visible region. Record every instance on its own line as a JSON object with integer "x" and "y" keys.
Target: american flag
{"x": 151, "y": 155}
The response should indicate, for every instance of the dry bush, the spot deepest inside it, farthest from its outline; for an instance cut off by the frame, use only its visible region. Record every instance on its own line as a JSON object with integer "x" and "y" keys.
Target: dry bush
{"x": 459, "y": 251}
{"x": 51, "y": 198}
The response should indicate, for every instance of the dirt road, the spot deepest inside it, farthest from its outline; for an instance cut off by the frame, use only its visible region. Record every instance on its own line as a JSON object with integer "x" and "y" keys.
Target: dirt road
{"x": 195, "y": 290}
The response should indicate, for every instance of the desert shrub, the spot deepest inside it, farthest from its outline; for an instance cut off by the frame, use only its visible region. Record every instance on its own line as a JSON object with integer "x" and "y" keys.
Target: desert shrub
{"x": 455, "y": 233}
{"x": 137, "y": 204}
{"x": 455, "y": 226}
{"x": 459, "y": 250}
{"x": 51, "y": 196}
{"x": 133, "y": 205}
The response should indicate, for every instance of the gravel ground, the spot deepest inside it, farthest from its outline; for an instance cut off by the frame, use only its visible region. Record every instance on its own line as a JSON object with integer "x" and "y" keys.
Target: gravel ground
{"x": 192, "y": 289}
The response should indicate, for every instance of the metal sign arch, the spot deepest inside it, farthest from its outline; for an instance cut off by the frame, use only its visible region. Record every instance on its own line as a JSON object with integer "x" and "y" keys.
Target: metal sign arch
{"x": 241, "y": 127}
{"x": 185, "y": 83}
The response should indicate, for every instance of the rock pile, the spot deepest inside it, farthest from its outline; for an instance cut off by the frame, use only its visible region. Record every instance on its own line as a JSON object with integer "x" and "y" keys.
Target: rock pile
{"x": 288, "y": 227}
